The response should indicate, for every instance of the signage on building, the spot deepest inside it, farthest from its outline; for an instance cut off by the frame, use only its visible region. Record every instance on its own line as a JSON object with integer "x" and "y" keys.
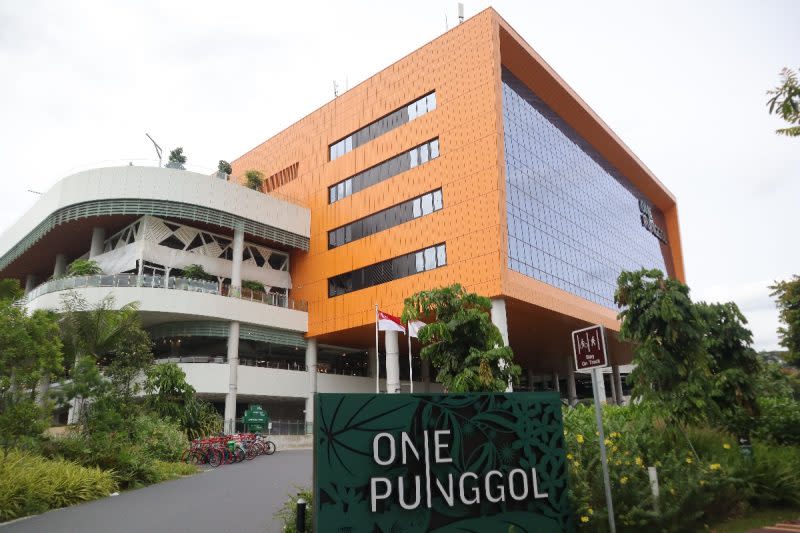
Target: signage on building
{"x": 255, "y": 418}
{"x": 589, "y": 348}
{"x": 440, "y": 463}
{"x": 646, "y": 216}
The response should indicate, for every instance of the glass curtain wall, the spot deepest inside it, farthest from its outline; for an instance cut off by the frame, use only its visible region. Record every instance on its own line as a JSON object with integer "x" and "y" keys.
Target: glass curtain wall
{"x": 574, "y": 221}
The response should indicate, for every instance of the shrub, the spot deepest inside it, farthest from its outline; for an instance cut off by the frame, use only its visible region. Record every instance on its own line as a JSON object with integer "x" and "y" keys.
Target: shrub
{"x": 31, "y": 484}
{"x": 165, "y": 470}
{"x": 254, "y": 180}
{"x": 160, "y": 439}
{"x": 84, "y": 267}
{"x": 774, "y": 475}
{"x": 225, "y": 167}
{"x": 253, "y": 285}
{"x": 197, "y": 272}
{"x": 779, "y": 421}
{"x": 288, "y": 513}
{"x": 693, "y": 487}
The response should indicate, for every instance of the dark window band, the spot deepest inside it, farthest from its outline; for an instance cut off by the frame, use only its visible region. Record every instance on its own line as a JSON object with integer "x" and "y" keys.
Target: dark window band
{"x": 388, "y": 218}
{"x": 375, "y": 129}
{"x": 389, "y": 270}
{"x": 383, "y": 171}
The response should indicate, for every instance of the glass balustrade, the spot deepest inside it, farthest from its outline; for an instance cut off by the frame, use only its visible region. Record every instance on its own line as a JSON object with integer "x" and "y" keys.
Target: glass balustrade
{"x": 162, "y": 282}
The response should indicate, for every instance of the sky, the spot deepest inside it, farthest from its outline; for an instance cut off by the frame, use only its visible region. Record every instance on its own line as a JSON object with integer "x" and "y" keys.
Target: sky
{"x": 682, "y": 83}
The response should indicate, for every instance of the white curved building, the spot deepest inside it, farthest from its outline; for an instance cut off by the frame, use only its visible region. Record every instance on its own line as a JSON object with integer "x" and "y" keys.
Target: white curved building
{"x": 143, "y": 226}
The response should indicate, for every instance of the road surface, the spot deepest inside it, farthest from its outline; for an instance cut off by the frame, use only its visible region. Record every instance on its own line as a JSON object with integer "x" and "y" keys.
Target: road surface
{"x": 237, "y": 498}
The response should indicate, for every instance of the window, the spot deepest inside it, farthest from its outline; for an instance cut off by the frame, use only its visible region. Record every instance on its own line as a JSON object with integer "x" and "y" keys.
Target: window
{"x": 388, "y": 218}
{"x": 371, "y": 131}
{"x": 383, "y": 171}
{"x": 389, "y": 270}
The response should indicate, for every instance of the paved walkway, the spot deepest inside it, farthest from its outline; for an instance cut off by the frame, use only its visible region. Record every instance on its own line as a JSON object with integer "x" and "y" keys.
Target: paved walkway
{"x": 794, "y": 525}
{"x": 233, "y": 498}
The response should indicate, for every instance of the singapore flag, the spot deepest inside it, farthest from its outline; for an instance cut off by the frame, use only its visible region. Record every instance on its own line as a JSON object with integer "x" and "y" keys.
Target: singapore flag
{"x": 387, "y": 322}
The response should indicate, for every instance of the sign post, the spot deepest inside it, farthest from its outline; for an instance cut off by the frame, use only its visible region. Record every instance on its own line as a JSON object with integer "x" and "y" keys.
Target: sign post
{"x": 589, "y": 348}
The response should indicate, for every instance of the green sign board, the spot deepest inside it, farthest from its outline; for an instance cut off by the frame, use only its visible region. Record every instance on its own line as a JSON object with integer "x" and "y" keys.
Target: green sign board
{"x": 255, "y": 418}
{"x": 440, "y": 463}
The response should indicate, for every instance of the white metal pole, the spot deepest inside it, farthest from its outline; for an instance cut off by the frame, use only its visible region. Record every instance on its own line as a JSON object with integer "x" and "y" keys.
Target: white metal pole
{"x": 410, "y": 369}
{"x": 596, "y": 376}
{"x": 377, "y": 355}
{"x": 653, "y": 475}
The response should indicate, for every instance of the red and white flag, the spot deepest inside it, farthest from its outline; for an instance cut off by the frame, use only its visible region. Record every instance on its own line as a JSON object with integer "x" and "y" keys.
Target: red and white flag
{"x": 387, "y": 322}
{"x": 414, "y": 326}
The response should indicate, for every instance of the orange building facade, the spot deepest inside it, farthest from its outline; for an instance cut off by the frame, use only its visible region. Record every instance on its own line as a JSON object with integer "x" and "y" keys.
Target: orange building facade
{"x": 468, "y": 161}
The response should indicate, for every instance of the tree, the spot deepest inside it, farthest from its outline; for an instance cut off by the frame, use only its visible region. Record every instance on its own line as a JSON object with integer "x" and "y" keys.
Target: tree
{"x": 255, "y": 179}
{"x": 10, "y": 290}
{"x": 177, "y": 159}
{"x": 735, "y": 365}
{"x": 170, "y": 396}
{"x": 30, "y": 348}
{"x": 785, "y": 102}
{"x": 84, "y": 267}
{"x": 98, "y": 335}
{"x": 461, "y": 342}
{"x": 787, "y": 297}
{"x": 225, "y": 167}
{"x": 672, "y": 367}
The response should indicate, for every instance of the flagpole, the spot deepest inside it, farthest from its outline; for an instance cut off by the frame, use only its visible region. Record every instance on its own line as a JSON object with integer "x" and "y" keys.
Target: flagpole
{"x": 410, "y": 369}
{"x": 377, "y": 355}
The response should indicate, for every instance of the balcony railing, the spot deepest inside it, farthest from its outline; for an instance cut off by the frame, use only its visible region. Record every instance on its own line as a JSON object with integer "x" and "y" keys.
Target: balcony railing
{"x": 261, "y": 363}
{"x": 162, "y": 282}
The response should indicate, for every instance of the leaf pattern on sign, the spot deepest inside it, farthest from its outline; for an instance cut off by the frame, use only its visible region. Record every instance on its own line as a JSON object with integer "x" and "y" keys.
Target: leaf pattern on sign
{"x": 487, "y": 432}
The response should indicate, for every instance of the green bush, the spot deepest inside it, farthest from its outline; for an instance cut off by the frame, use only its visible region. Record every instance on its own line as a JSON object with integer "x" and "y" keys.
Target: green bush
{"x": 288, "y": 513}
{"x": 773, "y": 476}
{"x": 159, "y": 439}
{"x": 694, "y": 488}
{"x": 779, "y": 421}
{"x": 165, "y": 470}
{"x": 31, "y": 484}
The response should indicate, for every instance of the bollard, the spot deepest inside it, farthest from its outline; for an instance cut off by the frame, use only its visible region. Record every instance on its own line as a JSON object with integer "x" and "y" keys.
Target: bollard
{"x": 653, "y": 474}
{"x": 300, "y": 525}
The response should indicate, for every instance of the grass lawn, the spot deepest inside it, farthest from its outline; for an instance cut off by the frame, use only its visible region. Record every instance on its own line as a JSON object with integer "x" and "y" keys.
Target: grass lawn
{"x": 754, "y": 520}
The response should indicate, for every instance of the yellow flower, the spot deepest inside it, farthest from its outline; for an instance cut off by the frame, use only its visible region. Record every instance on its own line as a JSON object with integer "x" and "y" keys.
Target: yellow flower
{"x": 614, "y": 448}
{"x": 596, "y": 433}
{"x": 579, "y": 438}
{"x": 618, "y": 462}
{"x": 672, "y": 491}
{"x": 623, "y": 479}
{"x": 639, "y": 461}
{"x": 576, "y": 464}
{"x": 590, "y": 510}
{"x": 702, "y": 482}
{"x": 607, "y": 442}
{"x": 584, "y": 519}
{"x": 616, "y": 434}
{"x": 688, "y": 460}
{"x": 569, "y": 456}
{"x": 715, "y": 466}
{"x": 726, "y": 446}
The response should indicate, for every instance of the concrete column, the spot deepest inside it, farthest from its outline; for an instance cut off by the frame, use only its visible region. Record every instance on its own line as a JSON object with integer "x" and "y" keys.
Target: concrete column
{"x": 60, "y": 267}
{"x": 531, "y": 386}
{"x": 392, "y": 362}
{"x": 98, "y": 237}
{"x": 233, "y": 378}
{"x": 426, "y": 375}
{"x": 500, "y": 320}
{"x": 311, "y": 368}
{"x": 371, "y": 368}
{"x": 30, "y": 283}
{"x": 236, "y": 266}
{"x": 556, "y": 384}
{"x": 617, "y": 377}
{"x": 572, "y": 393}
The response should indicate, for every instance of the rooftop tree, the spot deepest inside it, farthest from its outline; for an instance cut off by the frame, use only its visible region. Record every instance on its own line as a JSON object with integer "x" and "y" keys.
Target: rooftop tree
{"x": 254, "y": 179}
{"x": 177, "y": 159}
{"x": 785, "y": 102}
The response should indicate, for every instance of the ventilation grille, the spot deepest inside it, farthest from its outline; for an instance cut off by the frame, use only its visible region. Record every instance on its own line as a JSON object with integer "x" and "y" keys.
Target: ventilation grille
{"x": 281, "y": 178}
